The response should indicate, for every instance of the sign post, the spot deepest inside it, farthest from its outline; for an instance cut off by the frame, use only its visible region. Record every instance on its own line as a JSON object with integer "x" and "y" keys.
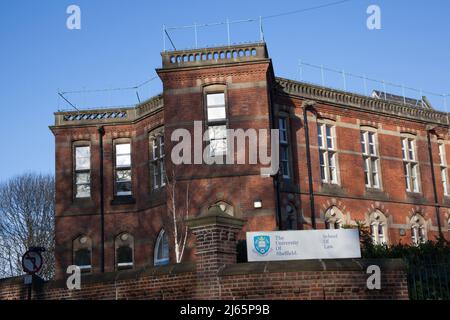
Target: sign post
{"x": 32, "y": 263}
{"x": 303, "y": 245}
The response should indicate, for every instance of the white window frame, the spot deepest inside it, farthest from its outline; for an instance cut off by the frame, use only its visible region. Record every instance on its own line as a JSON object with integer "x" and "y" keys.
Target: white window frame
{"x": 418, "y": 230}
{"x": 82, "y": 171}
{"x": 164, "y": 261}
{"x": 378, "y": 222}
{"x": 371, "y": 159}
{"x": 122, "y": 168}
{"x": 327, "y": 153}
{"x": 285, "y": 155}
{"x": 158, "y": 178}
{"x": 411, "y": 165}
{"x": 216, "y": 134}
{"x": 443, "y": 168}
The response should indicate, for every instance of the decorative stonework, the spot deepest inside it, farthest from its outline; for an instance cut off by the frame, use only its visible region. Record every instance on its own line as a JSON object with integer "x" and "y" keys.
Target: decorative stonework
{"x": 110, "y": 115}
{"x": 309, "y": 91}
{"x": 216, "y": 55}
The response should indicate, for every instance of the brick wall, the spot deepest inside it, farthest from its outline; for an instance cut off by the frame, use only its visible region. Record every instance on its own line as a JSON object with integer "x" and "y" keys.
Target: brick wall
{"x": 305, "y": 280}
{"x": 216, "y": 275}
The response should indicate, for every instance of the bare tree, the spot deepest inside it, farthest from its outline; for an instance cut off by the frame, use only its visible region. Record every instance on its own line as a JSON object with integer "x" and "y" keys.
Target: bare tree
{"x": 177, "y": 214}
{"x": 27, "y": 205}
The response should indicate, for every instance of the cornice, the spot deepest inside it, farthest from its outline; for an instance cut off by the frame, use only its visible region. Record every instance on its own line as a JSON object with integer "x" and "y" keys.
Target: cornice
{"x": 363, "y": 103}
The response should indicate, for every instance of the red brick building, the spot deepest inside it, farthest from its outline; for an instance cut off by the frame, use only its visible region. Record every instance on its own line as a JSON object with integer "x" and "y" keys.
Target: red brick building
{"x": 367, "y": 159}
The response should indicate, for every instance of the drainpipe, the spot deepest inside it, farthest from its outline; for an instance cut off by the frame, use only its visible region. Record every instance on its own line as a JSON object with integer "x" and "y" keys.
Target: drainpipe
{"x": 101, "y": 132}
{"x": 308, "y": 105}
{"x": 433, "y": 177}
{"x": 276, "y": 177}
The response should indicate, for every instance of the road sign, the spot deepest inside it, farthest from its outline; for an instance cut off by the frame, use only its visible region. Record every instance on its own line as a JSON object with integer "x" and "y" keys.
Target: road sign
{"x": 32, "y": 262}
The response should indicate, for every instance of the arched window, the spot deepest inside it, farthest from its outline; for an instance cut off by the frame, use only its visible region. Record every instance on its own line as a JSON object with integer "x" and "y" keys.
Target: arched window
{"x": 334, "y": 219}
{"x": 124, "y": 244}
{"x": 161, "y": 255}
{"x": 378, "y": 227}
{"x": 418, "y": 230}
{"x": 82, "y": 253}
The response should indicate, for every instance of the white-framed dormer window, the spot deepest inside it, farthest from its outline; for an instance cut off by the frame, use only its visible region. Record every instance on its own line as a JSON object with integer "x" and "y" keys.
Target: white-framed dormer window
{"x": 410, "y": 165}
{"x": 217, "y": 124}
{"x": 378, "y": 227}
{"x": 284, "y": 147}
{"x": 443, "y": 168}
{"x": 82, "y": 155}
{"x": 371, "y": 159}
{"x": 327, "y": 153}
{"x": 418, "y": 230}
{"x": 161, "y": 252}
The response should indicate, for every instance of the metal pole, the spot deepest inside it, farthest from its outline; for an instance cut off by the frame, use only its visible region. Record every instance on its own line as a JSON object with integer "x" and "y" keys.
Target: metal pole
{"x": 404, "y": 95}
{"x": 433, "y": 178}
{"x": 30, "y": 286}
{"x": 421, "y": 97}
{"x": 384, "y": 89}
{"x": 308, "y": 161}
{"x": 365, "y": 85}
{"x": 195, "y": 31}
{"x": 445, "y": 106}
{"x": 323, "y": 77}
{"x": 164, "y": 37}
{"x": 228, "y": 32}
{"x": 345, "y": 82}
{"x": 261, "y": 35}
{"x": 300, "y": 70}
{"x": 101, "y": 133}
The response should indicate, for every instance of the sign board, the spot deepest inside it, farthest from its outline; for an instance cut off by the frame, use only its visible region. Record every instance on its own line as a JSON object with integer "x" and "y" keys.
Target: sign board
{"x": 303, "y": 245}
{"x": 32, "y": 261}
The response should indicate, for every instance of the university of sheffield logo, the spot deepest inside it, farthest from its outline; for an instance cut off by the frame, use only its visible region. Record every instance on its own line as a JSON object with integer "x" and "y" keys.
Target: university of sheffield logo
{"x": 262, "y": 244}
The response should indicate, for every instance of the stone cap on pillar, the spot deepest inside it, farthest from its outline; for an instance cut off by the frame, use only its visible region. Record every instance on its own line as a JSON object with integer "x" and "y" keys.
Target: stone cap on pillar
{"x": 215, "y": 216}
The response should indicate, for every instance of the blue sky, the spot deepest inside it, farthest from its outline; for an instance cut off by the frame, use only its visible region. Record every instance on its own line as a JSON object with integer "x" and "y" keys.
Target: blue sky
{"x": 120, "y": 41}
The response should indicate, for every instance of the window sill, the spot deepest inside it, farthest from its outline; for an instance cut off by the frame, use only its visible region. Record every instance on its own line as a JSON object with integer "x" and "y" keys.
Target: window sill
{"x": 83, "y": 202}
{"x": 122, "y": 268}
{"x": 416, "y": 197}
{"x": 376, "y": 193}
{"x": 118, "y": 200}
{"x": 334, "y": 189}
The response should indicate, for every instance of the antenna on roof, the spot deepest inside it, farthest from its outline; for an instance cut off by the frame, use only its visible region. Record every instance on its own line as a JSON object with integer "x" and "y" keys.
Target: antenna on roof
{"x": 73, "y": 106}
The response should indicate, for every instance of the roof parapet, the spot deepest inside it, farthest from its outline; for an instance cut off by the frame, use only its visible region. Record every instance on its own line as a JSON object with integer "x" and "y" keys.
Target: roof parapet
{"x": 214, "y": 55}
{"x": 314, "y": 92}
{"x": 109, "y": 115}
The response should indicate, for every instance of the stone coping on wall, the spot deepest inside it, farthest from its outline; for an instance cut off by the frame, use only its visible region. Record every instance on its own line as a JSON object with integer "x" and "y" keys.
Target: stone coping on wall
{"x": 219, "y": 55}
{"x": 112, "y": 277}
{"x": 312, "y": 265}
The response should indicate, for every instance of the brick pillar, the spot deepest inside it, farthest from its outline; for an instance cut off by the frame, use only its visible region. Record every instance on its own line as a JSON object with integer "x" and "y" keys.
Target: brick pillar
{"x": 216, "y": 239}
